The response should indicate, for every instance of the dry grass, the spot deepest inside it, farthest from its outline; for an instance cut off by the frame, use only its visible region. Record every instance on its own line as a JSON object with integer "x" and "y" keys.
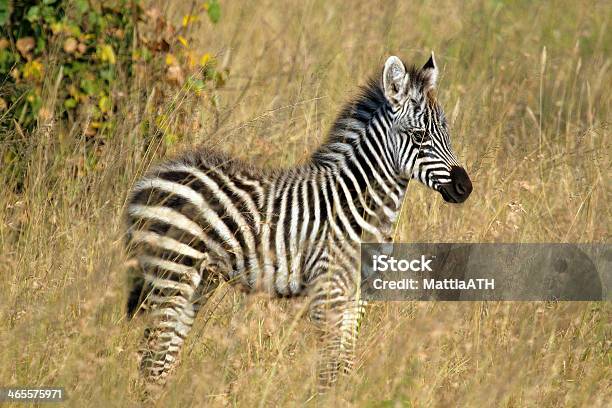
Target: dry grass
{"x": 527, "y": 89}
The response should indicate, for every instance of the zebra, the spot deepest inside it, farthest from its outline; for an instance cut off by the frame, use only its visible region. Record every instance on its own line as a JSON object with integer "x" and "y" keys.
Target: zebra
{"x": 205, "y": 217}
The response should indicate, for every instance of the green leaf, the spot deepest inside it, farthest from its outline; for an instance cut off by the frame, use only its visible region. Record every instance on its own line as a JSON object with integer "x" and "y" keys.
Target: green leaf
{"x": 5, "y": 12}
{"x": 105, "y": 104}
{"x": 81, "y": 5}
{"x": 33, "y": 14}
{"x": 209, "y": 73}
{"x": 89, "y": 86}
{"x": 170, "y": 138}
{"x": 70, "y": 103}
{"x": 214, "y": 11}
{"x": 146, "y": 54}
{"x": 40, "y": 44}
{"x": 7, "y": 60}
{"x": 49, "y": 14}
{"x": 107, "y": 75}
{"x": 197, "y": 84}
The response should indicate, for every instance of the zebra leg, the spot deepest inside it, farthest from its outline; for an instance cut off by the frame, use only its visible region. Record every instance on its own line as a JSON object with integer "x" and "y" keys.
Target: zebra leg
{"x": 351, "y": 320}
{"x": 337, "y": 317}
{"x": 172, "y": 315}
{"x": 163, "y": 339}
{"x": 330, "y": 347}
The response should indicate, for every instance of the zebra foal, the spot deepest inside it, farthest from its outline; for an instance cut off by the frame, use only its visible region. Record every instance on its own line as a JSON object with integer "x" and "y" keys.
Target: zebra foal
{"x": 205, "y": 217}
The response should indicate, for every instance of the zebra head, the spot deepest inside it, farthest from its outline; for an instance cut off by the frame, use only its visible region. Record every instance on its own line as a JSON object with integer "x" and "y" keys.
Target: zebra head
{"x": 419, "y": 138}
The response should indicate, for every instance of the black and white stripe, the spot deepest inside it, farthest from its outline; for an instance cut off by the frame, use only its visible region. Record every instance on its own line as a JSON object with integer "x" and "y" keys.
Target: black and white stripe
{"x": 205, "y": 217}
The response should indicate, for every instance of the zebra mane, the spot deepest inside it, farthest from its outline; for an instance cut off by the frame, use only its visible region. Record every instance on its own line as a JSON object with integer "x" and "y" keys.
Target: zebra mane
{"x": 357, "y": 113}
{"x": 350, "y": 122}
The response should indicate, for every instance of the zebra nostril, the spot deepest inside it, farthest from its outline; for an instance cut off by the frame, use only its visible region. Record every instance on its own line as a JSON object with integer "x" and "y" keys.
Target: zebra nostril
{"x": 460, "y": 188}
{"x": 461, "y": 183}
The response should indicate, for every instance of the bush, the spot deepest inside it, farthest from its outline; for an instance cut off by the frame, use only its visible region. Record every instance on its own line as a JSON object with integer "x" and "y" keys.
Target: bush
{"x": 92, "y": 42}
{"x": 73, "y": 60}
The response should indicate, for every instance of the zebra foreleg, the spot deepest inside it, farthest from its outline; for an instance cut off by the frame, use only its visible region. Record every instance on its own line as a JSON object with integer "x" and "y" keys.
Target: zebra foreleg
{"x": 338, "y": 325}
{"x": 351, "y": 321}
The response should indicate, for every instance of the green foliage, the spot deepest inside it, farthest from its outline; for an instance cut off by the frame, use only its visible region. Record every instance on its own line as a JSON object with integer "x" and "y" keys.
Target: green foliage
{"x": 91, "y": 44}
{"x": 39, "y": 37}
{"x": 4, "y": 11}
{"x": 214, "y": 11}
{"x": 74, "y": 61}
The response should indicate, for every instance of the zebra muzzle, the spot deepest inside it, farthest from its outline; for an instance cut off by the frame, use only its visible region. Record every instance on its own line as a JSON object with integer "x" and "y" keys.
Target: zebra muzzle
{"x": 460, "y": 187}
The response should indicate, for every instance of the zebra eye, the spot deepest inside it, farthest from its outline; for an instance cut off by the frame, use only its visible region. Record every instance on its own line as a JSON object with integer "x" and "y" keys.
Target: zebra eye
{"x": 418, "y": 136}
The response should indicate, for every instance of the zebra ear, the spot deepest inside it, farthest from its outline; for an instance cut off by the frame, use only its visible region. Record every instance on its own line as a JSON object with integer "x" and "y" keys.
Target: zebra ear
{"x": 430, "y": 69}
{"x": 395, "y": 81}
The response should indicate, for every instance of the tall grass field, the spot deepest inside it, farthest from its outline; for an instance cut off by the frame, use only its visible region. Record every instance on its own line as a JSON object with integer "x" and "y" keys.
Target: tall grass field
{"x": 526, "y": 88}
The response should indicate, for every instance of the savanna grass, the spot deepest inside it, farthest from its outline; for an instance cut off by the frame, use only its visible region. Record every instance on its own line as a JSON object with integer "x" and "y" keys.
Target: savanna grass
{"x": 526, "y": 88}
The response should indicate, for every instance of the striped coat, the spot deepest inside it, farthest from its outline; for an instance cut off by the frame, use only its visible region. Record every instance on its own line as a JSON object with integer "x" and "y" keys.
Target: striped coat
{"x": 206, "y": 217}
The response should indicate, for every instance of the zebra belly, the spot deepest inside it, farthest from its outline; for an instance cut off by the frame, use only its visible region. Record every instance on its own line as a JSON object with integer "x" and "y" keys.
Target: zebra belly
{"x": 269, "y": 285}
{"x": 272, "y": 275}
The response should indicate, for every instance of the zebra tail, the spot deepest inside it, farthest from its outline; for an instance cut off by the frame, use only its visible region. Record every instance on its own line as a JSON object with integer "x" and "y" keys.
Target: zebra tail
{"x": 137, "y": 292}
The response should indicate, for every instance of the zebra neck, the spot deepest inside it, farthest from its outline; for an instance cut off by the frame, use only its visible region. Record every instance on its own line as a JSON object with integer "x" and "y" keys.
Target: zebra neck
{"x": 385, "y": 189}
{"x": 362, "y": 173}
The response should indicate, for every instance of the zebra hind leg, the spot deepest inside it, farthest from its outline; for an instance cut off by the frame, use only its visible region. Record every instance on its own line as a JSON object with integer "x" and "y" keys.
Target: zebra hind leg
{"x": 174, "y": 306}
{"x": 169, "y": 324}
